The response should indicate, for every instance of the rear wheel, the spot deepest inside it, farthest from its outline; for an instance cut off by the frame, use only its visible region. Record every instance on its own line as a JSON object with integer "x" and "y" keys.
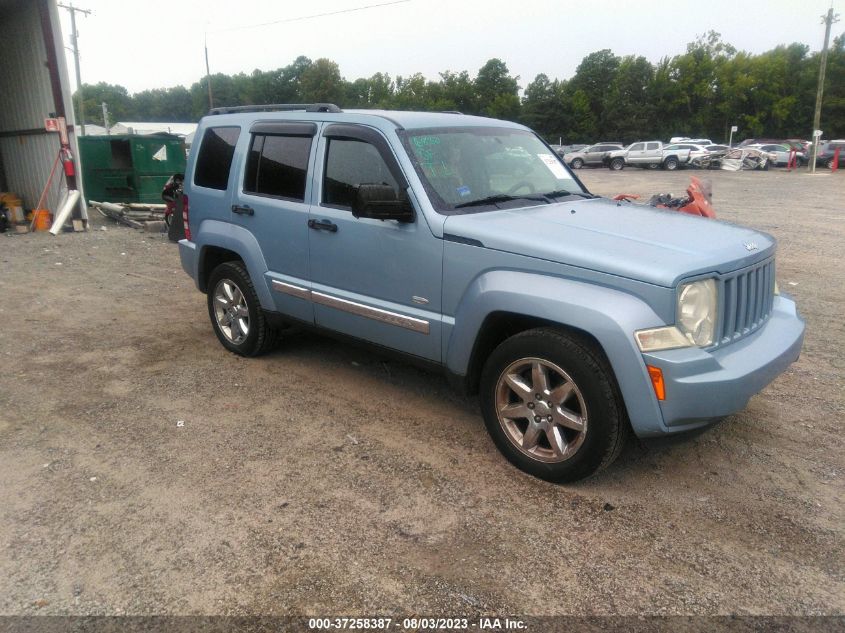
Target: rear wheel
{"x": 576, "y": 163}
{"x": 617, "y": 164}
{"x": 235, "y": 312}
{"x": 551, "y": 405}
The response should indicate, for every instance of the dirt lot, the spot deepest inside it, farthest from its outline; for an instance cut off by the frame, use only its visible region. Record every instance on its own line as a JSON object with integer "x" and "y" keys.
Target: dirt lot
{"x": 322, "y": 479}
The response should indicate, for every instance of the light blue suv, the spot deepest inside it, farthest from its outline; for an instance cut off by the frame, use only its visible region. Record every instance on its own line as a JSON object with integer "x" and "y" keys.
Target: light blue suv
{"x": 465, "y": 243}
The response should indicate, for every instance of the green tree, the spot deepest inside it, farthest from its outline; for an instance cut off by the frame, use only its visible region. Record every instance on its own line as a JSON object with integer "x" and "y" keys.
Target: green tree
{"x": 120, "y": 105}
{"x": 497, "y": 91}
{"x": 321, "y": 83}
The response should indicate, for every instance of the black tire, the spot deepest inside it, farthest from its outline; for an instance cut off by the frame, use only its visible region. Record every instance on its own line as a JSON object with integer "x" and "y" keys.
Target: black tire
{"x": 606, "y": 429}
{"x": 260, "y": 337}
{"x": 576, "y": 163}
{"x": 670, "y": 164}
{"x": 617, "y": 164}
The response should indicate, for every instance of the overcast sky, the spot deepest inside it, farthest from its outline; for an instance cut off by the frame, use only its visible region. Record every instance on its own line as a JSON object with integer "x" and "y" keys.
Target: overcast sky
{"x": 159, "y": 43}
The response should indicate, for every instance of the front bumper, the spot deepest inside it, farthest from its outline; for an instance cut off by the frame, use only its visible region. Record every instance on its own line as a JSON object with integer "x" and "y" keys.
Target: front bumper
{"x": 704, "y": 386}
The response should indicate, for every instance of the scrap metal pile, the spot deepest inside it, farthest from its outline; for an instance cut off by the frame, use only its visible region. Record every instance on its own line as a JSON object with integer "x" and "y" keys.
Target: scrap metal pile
{"x": 137, "y": 215}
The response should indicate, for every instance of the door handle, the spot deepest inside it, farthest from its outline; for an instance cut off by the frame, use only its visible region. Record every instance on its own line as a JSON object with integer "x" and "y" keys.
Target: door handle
{"x": 243, "y": 210}
{"x": 322, "y": 225}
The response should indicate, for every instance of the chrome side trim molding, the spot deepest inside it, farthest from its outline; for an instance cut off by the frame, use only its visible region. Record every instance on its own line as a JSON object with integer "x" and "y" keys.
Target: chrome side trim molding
{"x": 377, "y": 314}
{"x": 290, "y": 289}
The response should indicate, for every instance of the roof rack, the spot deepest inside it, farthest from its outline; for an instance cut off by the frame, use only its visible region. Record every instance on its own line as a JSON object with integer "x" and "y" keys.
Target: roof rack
{"x": 278, "y": 107}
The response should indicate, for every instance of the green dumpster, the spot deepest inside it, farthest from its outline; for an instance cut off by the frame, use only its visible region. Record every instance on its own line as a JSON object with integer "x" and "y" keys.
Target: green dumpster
{"x": 129, "y": 167}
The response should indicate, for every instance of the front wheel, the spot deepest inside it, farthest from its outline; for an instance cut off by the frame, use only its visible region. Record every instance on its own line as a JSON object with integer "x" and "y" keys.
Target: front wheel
{"x": 670, "y": 164}
{"x": 617, "y": 164}
{"x": 235, "y": 311}
{"x": 576, "y": 163}
{"x": 551, "y": 405}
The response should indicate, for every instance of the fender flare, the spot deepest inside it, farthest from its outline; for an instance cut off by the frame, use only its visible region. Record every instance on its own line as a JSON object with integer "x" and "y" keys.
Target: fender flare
{"x": 610, "y": 316}
{"x": 239, "y": 240}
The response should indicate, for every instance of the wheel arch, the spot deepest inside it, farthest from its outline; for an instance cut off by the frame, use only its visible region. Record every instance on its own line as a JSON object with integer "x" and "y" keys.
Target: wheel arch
{"x": 503, "y": 303}
{"x": 218, "y": 242}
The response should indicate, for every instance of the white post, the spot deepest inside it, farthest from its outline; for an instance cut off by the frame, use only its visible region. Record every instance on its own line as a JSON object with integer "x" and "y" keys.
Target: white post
{"x": 734, "y": 128}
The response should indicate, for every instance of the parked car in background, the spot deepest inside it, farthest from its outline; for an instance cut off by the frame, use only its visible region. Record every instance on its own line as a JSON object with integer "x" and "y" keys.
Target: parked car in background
{"x": 563, "y": 150}
{"x": 591, "y": 156}
{"x": 720, "y": 150}
{"x": 695, "y": 150}
{"x": 779, "y": 153}
{"x": 687, "y": 139}
{"x": 827, "y": 151}
{"x": 647, "y": 154}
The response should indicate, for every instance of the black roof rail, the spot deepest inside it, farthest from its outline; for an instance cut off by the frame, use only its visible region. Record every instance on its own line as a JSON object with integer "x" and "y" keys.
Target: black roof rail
{"x": 278, "y": 107}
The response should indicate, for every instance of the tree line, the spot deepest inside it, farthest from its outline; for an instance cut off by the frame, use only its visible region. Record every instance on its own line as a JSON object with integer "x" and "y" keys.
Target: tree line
{"x": 702, "y": 92}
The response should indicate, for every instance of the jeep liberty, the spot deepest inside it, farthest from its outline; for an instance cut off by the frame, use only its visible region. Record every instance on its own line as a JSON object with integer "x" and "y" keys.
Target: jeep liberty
{"x": 466, "y": 243}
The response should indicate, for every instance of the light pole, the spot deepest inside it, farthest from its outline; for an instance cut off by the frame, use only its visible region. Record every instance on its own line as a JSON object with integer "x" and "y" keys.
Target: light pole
{"x": 734, "y": 128}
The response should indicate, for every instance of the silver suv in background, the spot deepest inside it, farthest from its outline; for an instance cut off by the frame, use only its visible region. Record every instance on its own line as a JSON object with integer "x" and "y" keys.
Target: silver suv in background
{"x": 592, "y": 156}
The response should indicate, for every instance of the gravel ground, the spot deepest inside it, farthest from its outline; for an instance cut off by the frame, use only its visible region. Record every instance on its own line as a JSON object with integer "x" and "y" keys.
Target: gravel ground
{"x": 145, "y": 470}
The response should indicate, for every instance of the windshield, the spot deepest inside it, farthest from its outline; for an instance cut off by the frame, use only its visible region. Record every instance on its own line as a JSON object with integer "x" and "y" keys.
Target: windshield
{"x": 479, "y": 168}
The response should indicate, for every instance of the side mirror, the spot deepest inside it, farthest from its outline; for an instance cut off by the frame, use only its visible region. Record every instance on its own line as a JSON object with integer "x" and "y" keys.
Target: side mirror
{"x": 380, "y": 202}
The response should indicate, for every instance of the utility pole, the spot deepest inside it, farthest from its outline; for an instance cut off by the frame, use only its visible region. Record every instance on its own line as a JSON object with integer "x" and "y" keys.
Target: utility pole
{"x": 208, "y": 75}
{"x": 74, "y": 37}
{"x": 828, "y": 21}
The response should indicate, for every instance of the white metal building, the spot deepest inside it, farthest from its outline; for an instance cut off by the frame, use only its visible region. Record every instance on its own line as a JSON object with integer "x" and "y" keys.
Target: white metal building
{"x": 34, "y": 85}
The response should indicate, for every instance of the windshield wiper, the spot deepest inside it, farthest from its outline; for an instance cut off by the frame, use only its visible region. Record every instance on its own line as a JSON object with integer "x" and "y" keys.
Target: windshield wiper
{"x": 501, "y": 197}
{"x": 559, "y": 193}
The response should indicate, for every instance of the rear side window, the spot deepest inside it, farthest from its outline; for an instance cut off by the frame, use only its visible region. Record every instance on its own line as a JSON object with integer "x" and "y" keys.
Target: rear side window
{"x": 651, "y": 146}
{"x": 215, "y": 157}
{"x": 351, "y": 163}
{"x": 277, "y": 166}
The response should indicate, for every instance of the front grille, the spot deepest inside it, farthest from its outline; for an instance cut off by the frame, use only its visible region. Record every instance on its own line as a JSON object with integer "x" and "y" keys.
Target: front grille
{"x": 745, "y": 298}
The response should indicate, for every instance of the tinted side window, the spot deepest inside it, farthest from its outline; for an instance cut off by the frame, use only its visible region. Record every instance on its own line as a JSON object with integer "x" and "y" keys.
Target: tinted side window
{"x": 215, "y": 157}
{"x": 638, "y": 147}
{"x": 349, "y": 164}
{"x": 652, "y": 146}
{"x": 277, "y": 166}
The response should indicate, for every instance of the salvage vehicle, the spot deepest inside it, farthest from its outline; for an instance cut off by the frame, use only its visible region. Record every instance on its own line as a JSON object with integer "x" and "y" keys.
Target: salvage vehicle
{"x": 576, "y": 319}
{"x": 592, "y": 156}
{"x": 779, "y": 154}
{"x": 647, "y": 154}
{"x": 827, "y": 153}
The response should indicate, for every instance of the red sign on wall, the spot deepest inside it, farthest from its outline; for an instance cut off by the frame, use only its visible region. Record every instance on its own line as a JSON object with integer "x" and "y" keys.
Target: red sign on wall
{"x": 51, "y": 125}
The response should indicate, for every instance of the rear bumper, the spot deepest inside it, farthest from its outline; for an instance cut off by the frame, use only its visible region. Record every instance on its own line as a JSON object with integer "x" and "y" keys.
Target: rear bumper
{"x": 704, "y": 386}
{"x": 189, "y": 259}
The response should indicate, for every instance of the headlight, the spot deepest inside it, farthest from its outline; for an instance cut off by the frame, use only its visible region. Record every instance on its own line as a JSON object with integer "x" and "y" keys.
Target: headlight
{"x": 696, "y": 314}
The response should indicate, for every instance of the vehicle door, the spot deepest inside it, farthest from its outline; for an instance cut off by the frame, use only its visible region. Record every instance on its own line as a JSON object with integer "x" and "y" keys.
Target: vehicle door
{"x": 592, "y": 155}
{"x": 378, "y": 280}
{"x": 636, "y": 154}
{"x": 653, "y": 153}
{"x": 271, "y": 202}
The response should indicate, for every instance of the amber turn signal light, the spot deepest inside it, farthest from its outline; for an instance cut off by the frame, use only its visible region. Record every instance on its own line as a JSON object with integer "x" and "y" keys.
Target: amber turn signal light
{"x": 656, "y": 375}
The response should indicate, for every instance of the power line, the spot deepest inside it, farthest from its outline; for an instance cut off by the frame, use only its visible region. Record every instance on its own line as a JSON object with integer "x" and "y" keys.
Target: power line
{"x": 311, "y": 17}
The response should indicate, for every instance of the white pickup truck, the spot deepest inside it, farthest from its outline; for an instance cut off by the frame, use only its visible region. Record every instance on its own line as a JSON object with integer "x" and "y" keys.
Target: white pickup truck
{"x": 647, "y": 154}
